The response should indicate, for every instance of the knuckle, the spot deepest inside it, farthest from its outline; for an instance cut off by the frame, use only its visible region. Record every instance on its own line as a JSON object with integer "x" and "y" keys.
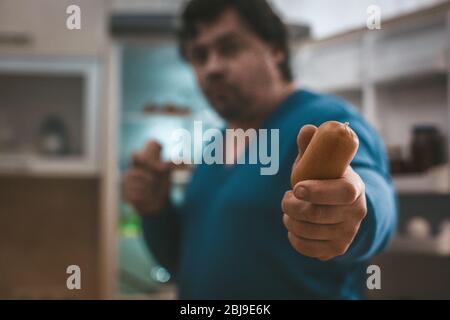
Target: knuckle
{"x": 339, "y": 248}
{"x": 301, "y": 247}
{"x": 137, "y": 155}
{"x": 151, "y": 146}
{"x": 292, "y": 206}
{"x": 348, "y": 235}
{"x": 351, "y": 191}
{"x": 285, "y": 201}
{"x": 309, "y": 212}
{"x": 294, "y": 241}
{"x": 297, "y": 244}
{"x": 294, "y": 227}
{"x": 361, "y": 184}
{"x": 361, "y": 212}
{"x": 349, "y": 232}
{"x": 342, "y": 249}
{"x": 286, "y": 221}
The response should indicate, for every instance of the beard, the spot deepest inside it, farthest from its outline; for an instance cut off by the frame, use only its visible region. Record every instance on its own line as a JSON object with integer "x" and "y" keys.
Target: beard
{"x": 228, "y": 101}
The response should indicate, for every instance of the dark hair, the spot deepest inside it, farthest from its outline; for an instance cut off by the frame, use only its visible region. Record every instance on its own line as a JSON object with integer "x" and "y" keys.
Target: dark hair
{"x": 258, "y": 14}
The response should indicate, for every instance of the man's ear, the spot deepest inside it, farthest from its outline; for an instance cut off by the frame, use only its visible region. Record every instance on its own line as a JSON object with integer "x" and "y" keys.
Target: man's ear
{"x": 278, "y": 54}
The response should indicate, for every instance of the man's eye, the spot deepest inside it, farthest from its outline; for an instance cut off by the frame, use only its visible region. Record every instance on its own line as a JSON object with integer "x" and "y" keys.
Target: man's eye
{"x": 199, "y": 56}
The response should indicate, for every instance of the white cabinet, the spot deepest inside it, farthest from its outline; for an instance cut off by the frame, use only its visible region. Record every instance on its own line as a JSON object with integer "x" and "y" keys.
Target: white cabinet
{"x": 33, "y": 90}
{"x": 39, "y": 27}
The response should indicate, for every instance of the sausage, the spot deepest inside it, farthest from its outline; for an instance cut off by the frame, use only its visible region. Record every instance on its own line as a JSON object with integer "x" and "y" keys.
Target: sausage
{"x": 328, "y": 155}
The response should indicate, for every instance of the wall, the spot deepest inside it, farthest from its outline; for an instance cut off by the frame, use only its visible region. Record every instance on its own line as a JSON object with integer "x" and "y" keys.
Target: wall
{"x": 328, "y": 17}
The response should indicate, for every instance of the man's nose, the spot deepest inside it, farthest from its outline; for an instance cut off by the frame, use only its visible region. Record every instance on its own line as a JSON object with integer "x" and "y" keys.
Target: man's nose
{"x": 215, "y": 65}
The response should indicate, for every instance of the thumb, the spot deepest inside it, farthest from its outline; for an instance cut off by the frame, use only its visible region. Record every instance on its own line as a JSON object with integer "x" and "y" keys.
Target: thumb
{"x": 152, "y": 150}
{"x": 151, "y": 156}
{"x": 304, "y": 138}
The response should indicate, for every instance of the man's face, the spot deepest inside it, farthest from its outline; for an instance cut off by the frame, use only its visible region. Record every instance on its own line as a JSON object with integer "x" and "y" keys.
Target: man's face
{"x": 235, "y": 68}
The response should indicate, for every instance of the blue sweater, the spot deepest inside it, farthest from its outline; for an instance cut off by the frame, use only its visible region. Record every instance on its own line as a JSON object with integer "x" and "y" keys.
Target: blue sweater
{"x": 227, "y": 241}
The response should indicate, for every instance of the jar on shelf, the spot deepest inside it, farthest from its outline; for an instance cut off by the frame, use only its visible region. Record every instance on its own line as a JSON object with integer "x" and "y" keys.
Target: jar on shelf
{"x": 53, "y": 137}
{"x": 427, "y": 147}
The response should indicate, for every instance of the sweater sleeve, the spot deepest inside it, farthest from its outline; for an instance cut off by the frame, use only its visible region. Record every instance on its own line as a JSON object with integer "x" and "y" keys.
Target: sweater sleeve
{"x": 379, "y": 225}
{"x": 162, "y": 234}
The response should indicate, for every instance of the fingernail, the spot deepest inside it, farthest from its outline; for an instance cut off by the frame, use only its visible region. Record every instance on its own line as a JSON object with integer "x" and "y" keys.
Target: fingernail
{"x": 301, "y": 192}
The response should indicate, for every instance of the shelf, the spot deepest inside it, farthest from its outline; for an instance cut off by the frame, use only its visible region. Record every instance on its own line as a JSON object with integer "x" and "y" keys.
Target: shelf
{"x": 405, "y": 80}
{"x": 431, "y": 246}
{"x": 405, "y": 70}
{"x": 346, "y": 90}
{"x": 35, "y": 165}
{"x": 343, "y": 88}
{"x": 436, "y": 180}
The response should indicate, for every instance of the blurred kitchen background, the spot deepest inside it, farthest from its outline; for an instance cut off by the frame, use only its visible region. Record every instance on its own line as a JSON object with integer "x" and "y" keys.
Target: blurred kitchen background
{"x": 74, "y": 104}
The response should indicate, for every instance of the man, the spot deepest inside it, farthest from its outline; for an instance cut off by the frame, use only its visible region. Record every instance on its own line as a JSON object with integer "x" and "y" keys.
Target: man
{"x": 243, "y": 235}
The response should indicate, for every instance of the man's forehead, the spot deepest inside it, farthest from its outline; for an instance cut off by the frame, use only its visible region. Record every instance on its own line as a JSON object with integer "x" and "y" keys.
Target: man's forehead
{"x": 227, "y": 23}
